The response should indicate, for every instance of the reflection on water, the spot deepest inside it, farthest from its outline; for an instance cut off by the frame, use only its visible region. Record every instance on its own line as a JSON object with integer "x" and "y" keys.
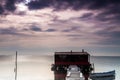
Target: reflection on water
{"x": 39, "y": 67}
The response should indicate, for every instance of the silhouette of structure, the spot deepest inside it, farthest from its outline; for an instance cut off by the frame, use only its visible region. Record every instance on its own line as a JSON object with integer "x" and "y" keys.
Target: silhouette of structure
{"x": 62, "y": 60}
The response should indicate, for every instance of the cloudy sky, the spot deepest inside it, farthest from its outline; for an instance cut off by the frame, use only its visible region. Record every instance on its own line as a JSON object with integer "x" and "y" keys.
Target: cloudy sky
{"x": 46, "y": 26}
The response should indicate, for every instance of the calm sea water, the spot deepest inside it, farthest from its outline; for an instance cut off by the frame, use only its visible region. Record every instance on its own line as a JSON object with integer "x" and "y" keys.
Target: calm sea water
{"x": 38, "y": 67}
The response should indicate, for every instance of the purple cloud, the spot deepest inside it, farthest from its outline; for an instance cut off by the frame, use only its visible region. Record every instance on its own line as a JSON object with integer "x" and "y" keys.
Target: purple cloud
{"x": 35, "y": 28}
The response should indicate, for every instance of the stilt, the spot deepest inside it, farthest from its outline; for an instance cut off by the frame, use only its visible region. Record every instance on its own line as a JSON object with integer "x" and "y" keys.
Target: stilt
{"x": 16, "y": 66}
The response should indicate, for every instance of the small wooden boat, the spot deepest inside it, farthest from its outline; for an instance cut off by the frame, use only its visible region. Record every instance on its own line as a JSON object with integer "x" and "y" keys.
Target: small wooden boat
{"x": 103, "y": 76}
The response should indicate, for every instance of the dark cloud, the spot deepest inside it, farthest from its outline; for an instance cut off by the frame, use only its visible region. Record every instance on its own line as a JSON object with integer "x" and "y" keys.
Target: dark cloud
{"x": 74, "y": 4}
{"x": 107, "y": 6}
{"x": 74, "y": 35}
{"x": 39, "y": 4}
{"x": 71, "y": 29}
{"x": 9, "y": 31}
{"x": 103, "y": 4}
{"x": 109, "y": 10}
{"x": 66, "y": 30}
{"x": 1, "y": 10}
{"x": 110, "y": 37}
{"x": 51, "y": 30}
{"x": 35, "y": 28}
{"x": 109, "y": 15}
{"x": 101, "y": 17}
{"x": 57, "y": 4}
{"x": 87, "y": 15}
{"x": 10, "y": 5}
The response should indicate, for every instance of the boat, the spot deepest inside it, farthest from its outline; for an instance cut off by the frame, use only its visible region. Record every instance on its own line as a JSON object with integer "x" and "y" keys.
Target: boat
{"x": 103, "y": 76}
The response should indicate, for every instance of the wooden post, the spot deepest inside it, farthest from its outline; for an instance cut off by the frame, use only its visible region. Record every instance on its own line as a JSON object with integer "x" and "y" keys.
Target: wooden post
{"x": 16, "y": 66}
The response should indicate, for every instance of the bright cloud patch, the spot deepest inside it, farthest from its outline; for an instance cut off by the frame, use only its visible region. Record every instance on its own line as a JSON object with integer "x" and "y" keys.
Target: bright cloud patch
{"x": 21, "y": 7}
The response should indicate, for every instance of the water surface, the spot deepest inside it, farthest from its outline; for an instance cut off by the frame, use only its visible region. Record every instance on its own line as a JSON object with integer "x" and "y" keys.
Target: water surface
{"x": 37, "y": 67}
